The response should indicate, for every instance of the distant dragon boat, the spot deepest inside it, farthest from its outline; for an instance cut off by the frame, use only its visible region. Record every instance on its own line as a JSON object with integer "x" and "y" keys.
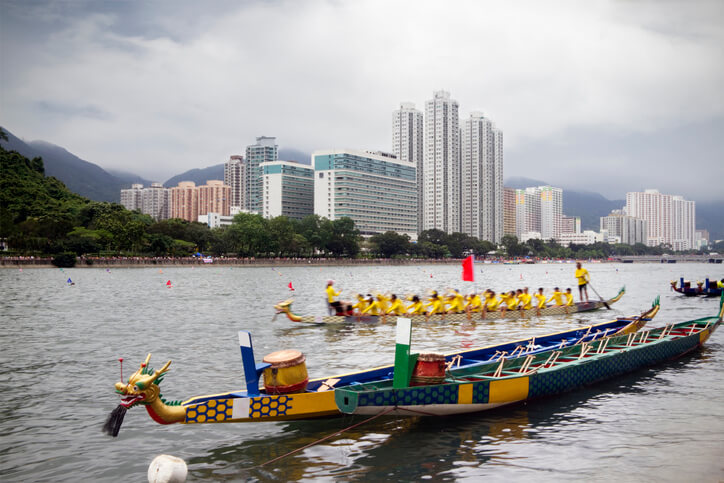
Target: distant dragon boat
{"x": 287, "y": 394}
{"x": 486, "y": 386}
{"x": 707, "y": 288}
{"x": 285, "y": 307}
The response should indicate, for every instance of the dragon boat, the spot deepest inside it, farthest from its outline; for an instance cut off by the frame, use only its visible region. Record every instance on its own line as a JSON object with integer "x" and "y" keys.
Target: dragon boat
{"x": 315, "y": 398}
{"x": 486, "y": 386}
{"x": 285, "y": 307}
{"x": 707, "y": 288}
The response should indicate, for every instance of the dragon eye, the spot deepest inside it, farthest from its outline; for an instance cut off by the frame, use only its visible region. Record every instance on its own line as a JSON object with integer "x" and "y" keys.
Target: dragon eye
{"x": 139, "y": 386}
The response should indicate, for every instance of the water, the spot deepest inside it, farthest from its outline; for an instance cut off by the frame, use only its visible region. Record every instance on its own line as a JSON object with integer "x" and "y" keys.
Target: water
{"x": 60, "y": 346}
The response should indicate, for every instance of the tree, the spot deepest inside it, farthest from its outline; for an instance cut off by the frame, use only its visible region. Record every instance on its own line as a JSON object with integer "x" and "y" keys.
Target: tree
{"x": 390, "y": 243}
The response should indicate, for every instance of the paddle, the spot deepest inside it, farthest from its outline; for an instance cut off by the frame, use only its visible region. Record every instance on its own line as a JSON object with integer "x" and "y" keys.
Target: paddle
{"x": 604, "y": 302}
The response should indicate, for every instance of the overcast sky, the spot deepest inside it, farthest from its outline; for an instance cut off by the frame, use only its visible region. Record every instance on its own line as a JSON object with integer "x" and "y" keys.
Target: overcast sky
{"x": 603, "y": 96}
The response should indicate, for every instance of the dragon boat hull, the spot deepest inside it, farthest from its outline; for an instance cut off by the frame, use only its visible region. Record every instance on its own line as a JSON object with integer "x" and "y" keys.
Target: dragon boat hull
{"x": 553, "y": 310}
{"x": 255, "y": 405}
{"x": 546, "y": 374}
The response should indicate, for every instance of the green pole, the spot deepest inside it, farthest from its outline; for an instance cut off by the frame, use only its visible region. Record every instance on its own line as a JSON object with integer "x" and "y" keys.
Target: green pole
{"x": 403, "y": 361}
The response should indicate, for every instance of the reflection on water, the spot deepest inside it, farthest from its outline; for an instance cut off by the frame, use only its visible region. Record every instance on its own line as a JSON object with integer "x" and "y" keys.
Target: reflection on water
{"x": 61, "y": 344}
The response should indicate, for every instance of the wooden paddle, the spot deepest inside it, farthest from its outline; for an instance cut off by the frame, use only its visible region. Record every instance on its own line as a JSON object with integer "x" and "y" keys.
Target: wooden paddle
{"x": 599, "y": 296}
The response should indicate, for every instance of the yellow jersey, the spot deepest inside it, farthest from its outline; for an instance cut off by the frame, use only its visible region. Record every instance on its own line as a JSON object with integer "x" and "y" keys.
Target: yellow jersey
{"x": 582, "y": 276}
{"x": 569, "y": 299}
{"x": 396, "y": 308}
{"x": 416, "y": 308}
{"x": 525, "y": 299}
{"x": 557, "y": 297}
{"x": 331, "y": 293}
{"x": 541, "y": 300}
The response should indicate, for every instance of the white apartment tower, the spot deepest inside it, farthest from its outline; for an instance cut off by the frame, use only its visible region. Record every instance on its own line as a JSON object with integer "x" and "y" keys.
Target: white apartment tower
{"x": 264, "y": 151}
{"x": 441, "y": 165}
{"x": 539, "y": 210}
{"x": 482, "y": 179}
{"x": 670, "y": 220}
{"x": 131, "y": 198}
{"x": 235, "y": 178}
{"x": 155, "y": 202}
{"x": 408, "y": 145}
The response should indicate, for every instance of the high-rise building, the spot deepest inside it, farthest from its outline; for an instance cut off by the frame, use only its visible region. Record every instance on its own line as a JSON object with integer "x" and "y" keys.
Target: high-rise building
{"x": 131, "y": 198}
{"x": 408, "y": 145}
{"x": 527, "y": 211}
{"x": 288, "y": 189}
{"x": 570, "y": 224}
{"x": 185, "y": 201}
{"x": 376, "y": 190}
{"x": 551, "y": 211}
{"x": 188, "y": 201}
{"x": 264, "y": 151}
{"x": 441, "y": 165}
{"x": 482, "y": 179}
{"x": 628, "y": 229}
{"x": 508, "y": 211}
{"x": 539, "y": 209}
{"x": 670, "y": 220}
{"x": 235, "y": 178}
{"x": 155, "y": 202}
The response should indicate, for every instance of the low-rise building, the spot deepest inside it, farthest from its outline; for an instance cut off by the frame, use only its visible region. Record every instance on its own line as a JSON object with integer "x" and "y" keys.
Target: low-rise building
{"x": 376, "y": 190}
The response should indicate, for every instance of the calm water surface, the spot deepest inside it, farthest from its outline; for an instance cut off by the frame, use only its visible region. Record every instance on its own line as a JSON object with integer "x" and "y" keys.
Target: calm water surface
{"x": 60, "y": 346}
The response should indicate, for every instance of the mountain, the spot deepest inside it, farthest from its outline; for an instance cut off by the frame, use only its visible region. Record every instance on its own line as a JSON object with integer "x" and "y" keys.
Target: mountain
{"x": 86, "y": 179}
{"x": 198, "y": 176}
{"x": 710, "y": 216}
{"x": 291, "y": 154}
{"x": 589, "y": 206}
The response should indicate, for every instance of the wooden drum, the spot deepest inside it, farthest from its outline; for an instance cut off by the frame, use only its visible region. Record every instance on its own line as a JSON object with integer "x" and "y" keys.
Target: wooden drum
{"x": 287, "y": 374}
{"x": 429, "y": 369}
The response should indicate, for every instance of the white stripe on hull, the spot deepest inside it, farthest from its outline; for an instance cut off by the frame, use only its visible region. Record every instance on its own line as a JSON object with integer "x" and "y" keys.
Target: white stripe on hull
{"x": 428, "y": 409}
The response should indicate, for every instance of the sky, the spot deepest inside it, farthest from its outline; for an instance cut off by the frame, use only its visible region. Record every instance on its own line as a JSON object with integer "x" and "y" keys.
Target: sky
{"x": 603, "y": 96}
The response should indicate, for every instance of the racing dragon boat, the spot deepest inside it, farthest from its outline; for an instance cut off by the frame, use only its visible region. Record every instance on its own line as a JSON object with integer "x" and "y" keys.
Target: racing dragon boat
{"x": 487, "y": 386}
{"x": 315, "y": 398}
{"x": 285, "y": 307}
{"x": 707, "y": 288}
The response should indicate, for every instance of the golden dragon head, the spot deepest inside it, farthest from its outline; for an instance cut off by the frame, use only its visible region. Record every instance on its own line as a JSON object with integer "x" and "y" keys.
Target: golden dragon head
{"x": 142, "y": 386}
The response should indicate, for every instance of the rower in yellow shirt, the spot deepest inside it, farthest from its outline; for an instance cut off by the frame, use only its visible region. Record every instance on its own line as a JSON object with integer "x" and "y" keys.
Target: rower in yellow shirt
{"x": 361, "y": 303}
{"x": 374, "y": 307}
{"x": 508, "y": 301}
{"x": 569, "y": 299}
{"x": 384, "y": 302}
{"x": 396, "y": 306}
{"x": 456, "y": 301}
{"x": 417, "y": 307}
{"x": 491, "y": 304}
{"x": 525, "y": 299}
{"x": 436, "y": 304}
{"x": 541, "y": 298}
{"x": 474, "y": 304}
{"x": 583, "y": 279}
{"x": 557, "y": 297}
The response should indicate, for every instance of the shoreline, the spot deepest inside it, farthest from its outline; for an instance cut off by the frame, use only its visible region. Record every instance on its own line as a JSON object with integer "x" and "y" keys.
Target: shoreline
{"x": 146, "y": 262}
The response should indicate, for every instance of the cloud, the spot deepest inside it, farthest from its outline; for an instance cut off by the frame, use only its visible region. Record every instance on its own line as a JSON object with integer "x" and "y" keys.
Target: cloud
{"x": 185, "y": 84}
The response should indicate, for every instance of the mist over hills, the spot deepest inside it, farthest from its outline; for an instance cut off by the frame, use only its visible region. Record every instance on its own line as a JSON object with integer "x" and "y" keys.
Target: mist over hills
{"x": 90, "y": 180}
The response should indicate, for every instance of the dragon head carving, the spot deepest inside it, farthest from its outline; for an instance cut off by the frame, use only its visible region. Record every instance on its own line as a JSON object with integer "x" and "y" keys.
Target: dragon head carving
{"x": 142, "y": 386}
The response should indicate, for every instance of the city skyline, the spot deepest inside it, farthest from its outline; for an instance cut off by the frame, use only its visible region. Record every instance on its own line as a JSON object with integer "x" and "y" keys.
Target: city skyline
{"x": 582, "y": 92}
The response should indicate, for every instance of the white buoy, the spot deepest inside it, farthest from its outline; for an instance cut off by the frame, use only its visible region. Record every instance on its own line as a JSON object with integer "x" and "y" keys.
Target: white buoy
{"x": 167, "y": 469}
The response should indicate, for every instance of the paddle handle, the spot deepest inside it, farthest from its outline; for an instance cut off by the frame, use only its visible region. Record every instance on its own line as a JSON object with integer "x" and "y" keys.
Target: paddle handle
{"x": 599, "y": 296}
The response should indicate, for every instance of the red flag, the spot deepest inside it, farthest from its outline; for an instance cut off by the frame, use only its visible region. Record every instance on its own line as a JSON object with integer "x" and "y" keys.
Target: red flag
{"x": 468, "y": 272}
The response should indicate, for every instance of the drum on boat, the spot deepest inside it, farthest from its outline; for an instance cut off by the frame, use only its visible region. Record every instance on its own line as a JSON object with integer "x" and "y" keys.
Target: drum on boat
{"x": 287, "y": 374}
{"x": 429, "y": 369}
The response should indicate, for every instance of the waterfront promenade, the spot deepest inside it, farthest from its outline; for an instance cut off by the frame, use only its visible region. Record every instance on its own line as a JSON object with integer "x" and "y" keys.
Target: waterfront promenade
{"x": 109, "y": 262}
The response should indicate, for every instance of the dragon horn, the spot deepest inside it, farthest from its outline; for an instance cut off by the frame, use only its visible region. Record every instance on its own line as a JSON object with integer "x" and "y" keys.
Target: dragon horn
{"x": 161, "y": 371}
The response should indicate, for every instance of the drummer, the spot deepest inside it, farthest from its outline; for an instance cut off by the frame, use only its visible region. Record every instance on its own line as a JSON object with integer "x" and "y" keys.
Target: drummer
{"x": 334, "y": 304}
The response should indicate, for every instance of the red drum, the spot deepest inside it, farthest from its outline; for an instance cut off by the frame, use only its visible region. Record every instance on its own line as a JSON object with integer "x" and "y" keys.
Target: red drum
{"x": 429, "y": 369}
{"x": 287, "y": 374}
